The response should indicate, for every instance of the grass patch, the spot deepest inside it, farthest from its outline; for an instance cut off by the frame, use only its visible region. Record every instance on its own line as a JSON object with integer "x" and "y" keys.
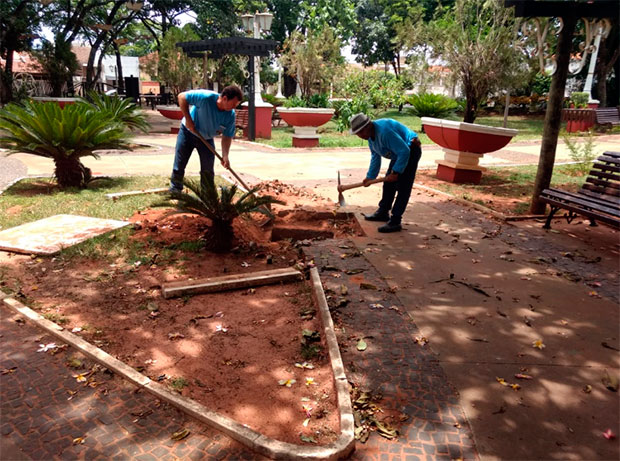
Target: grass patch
{"x": 33, "y": 199}
{"x": 56, "y": 318}
{"x": 179, "y": 383}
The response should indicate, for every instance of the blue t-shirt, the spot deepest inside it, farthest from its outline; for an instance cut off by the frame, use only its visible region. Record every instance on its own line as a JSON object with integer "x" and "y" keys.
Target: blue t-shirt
{"x": 392, "y": 139}
{"x": 208, "y": 119}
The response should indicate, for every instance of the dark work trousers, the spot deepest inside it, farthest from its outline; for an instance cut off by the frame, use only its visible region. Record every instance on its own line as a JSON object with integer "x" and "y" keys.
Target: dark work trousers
{"x": 400, "y": 188}
{"x": 186, "y": 143}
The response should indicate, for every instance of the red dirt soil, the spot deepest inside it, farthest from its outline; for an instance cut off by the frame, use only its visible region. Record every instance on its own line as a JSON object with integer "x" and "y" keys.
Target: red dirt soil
{"x": 227, "y": 350}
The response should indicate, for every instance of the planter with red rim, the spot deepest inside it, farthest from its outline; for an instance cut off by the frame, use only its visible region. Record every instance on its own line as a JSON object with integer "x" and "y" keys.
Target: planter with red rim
{"x": 62, "y": 102}
{"x": 305, "y": 120}
{"x": 173, "y": 113}
{"x": 463, "y": 145}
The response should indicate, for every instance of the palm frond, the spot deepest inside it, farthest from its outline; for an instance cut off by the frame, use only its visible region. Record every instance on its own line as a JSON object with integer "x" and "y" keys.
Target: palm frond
{"x": 121, "y": 110}
{"x": 46, "y": 130}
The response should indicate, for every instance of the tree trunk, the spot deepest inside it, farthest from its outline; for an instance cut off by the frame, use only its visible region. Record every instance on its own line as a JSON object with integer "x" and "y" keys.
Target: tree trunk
{"x": 219, "y": 236}
{"x": 70, "y": 172}
{"x": 120, "y": 82}
{"x": 553, "y": 117}
{"x": 470, "y": 110}
{"x": 6, "y": 78}
{"x": 506, "y": 107}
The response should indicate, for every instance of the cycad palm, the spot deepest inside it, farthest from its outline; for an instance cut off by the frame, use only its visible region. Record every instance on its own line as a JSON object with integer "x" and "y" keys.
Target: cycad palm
{"x": 220, "y": 208}
{"x": 63, "y": 135}
{"x": 121, "y": 110}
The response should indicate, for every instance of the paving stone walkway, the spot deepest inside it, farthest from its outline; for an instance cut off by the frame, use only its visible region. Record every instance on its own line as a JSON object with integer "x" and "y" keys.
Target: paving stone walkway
{"x": 405, "y": 372}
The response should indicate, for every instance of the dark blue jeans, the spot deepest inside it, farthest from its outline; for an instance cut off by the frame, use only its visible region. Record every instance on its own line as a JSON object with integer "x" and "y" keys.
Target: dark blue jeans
{"x": 186, "y": 143}
{"x": 402, "y": 186}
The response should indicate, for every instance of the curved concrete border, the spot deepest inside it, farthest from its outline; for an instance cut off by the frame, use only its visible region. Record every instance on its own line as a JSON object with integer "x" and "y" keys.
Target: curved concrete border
{"x": 266, "y": 446}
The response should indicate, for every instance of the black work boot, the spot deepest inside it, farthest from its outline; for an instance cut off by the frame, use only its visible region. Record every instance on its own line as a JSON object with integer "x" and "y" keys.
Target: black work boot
{"x": 390, "y": 226}
{"x": 377, "y": 216}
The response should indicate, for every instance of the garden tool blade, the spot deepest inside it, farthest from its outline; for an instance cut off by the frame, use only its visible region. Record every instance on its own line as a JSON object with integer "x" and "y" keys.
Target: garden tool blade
{"x": 341, "y": 200}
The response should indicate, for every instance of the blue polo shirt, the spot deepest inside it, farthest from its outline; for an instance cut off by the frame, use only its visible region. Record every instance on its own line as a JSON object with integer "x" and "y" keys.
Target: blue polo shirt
{"x": 208, "y": 119}
{"x": 392, "y": 140}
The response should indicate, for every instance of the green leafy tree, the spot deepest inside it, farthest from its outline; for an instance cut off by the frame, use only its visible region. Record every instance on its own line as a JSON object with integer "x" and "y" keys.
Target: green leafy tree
{"x": 313, "y": 60}
{"x": 19, "y": 22}
{"x": 63, "y": 135}
{"x": 476, "y": 40}
{"x": 221, "y": 208}
{"x": 382, "y": 27}
{"x": 57, "y": 62}
{"x": 178, "y": 70}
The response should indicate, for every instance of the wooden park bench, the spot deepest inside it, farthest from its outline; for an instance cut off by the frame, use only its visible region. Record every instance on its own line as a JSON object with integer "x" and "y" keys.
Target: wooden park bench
{"x": 607, "y": 117}
{"x": 598, "y": 199}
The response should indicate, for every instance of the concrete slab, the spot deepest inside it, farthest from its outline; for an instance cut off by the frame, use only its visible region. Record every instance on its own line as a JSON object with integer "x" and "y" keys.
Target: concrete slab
{"x": 50, "y": 235}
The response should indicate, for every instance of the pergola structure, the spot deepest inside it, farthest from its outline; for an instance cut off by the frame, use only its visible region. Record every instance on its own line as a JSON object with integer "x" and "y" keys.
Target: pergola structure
{"x": 569, "y": 11}
{"x": 218, "y": 47}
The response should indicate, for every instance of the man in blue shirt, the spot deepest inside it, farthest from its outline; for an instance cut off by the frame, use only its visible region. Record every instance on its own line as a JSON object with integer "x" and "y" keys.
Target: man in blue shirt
{"x": 392, "y": 140}
{"x": 210, "y": 113}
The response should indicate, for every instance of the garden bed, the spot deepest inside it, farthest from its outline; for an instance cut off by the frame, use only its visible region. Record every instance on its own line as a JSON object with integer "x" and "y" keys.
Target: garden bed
{"x": 240, "y": 353}
{"x": 507, "y": 190}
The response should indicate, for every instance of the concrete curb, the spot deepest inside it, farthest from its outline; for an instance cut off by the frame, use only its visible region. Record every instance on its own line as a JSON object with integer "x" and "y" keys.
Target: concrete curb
{"x": 266, "y": 446}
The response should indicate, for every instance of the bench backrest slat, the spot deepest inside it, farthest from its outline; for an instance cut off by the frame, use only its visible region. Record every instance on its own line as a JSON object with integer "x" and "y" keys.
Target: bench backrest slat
{"x": 593, "y": 183}
{"x": 601, "y": 195}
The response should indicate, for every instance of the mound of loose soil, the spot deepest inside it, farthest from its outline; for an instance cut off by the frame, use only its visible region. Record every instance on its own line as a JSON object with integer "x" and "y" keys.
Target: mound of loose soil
{"x": 234, "y": 352}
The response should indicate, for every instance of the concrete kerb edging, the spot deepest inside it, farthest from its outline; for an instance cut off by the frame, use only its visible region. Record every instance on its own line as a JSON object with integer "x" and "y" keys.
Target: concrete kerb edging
{"x": 257, "y": 442}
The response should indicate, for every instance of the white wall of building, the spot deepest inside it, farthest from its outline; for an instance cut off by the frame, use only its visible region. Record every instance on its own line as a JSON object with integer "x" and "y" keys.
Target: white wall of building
{"x": 131, "y": 66}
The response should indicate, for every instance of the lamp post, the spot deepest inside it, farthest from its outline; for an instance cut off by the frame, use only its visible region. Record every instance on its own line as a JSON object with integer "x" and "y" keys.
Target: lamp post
{"x": 255, "y": 23}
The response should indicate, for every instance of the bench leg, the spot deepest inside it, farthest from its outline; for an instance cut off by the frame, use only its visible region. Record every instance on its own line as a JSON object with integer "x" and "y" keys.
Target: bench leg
{"x": 550, "y": 217}
{"x": 593, "y": 222}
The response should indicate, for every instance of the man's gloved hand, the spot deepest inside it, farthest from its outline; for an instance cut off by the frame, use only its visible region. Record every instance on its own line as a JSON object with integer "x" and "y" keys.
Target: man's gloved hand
{"x": 366, "y": 182}
{"x": 392, "y": 177}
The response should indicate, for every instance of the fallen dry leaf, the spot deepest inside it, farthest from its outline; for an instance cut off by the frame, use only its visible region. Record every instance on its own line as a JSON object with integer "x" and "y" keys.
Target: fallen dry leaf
{"x": 180, "y": 435}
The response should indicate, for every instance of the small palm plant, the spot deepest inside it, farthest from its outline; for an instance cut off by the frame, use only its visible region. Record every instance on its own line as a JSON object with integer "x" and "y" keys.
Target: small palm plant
{"x": 63, "y": 135}
{"x": 431, "y": 105}
{"x": 220, "y": 208}
{"x": 121, "y": 110}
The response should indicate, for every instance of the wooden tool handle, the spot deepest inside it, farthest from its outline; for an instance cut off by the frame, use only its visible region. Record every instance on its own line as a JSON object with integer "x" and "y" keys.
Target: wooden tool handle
{"x": 219, "y": 157}
{"x": 360, "y": 184}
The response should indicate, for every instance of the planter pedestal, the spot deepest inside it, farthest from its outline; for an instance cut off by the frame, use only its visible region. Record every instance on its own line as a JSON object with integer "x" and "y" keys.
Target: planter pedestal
{"x": 305, "y": 136}
{"x": 263, "y": 120}
{"x": 173, "y": 113}
{"x": 306, "y": 121}
{"x": 460, "y": 167}
{"x": 463, "y": 145}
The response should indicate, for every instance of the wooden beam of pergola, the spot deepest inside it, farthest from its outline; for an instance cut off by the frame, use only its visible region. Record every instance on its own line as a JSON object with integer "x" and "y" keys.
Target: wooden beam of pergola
{"x": 569, "y": 11}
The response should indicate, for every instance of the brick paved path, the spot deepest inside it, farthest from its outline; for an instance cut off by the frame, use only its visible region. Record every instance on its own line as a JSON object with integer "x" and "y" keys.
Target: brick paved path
{"x": 407, "y": 374}
{"x": 38, "y": 421}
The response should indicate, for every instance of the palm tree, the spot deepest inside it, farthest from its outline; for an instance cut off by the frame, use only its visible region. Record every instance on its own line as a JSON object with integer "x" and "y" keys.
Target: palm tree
{"x": 121, "y": 110}
{"x": 64, "y": 135}
{"x": 220, "y": 208}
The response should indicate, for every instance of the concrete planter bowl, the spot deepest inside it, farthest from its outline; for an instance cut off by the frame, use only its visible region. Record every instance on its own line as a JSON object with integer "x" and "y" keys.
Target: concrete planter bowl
{"x": 306, "y": 121}
{"x": 62, "y": 102}
{"x": 464, "y": 144}
{"x": 173, "y": 113}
